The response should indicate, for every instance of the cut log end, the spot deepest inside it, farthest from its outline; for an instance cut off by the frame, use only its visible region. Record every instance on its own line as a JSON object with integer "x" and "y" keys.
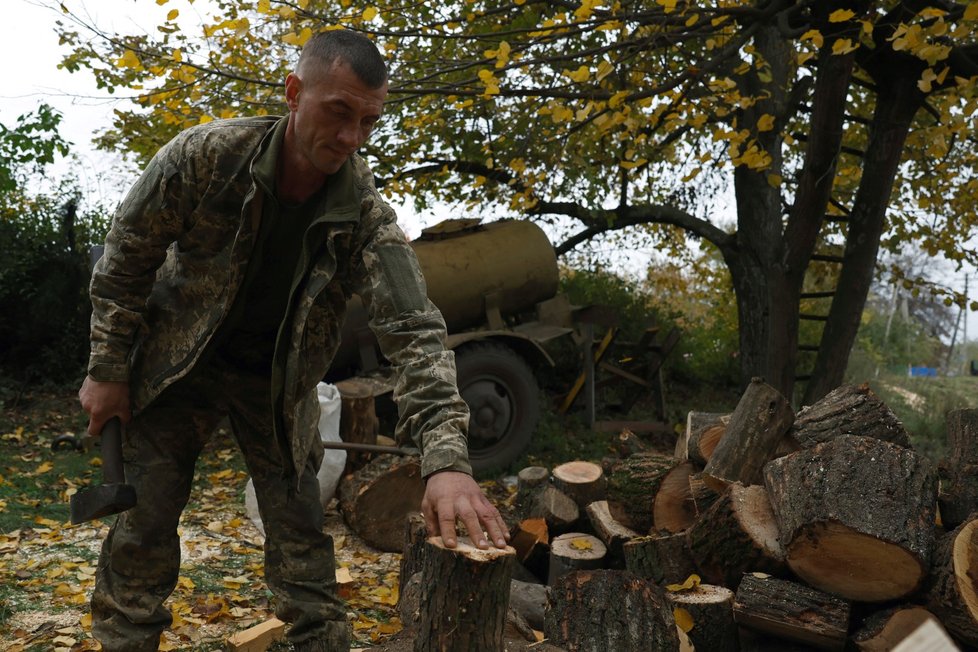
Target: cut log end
{"x": 673, "y": 509}
{"x": 833, "y": 557}
{"x": 466, "y": 548}
{"x": 965, "y": 562}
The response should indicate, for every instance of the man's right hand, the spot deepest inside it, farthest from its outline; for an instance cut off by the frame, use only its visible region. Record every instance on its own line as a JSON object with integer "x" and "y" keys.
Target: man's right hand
{"x": 102, "y": 401}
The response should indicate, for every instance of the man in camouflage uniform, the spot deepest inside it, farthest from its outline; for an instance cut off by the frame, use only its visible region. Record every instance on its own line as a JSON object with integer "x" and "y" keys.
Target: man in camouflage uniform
{"x": 221, "y": 294}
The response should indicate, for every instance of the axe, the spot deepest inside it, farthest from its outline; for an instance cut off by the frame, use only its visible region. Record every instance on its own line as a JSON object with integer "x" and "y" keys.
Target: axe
{"x": 113, "y": 495}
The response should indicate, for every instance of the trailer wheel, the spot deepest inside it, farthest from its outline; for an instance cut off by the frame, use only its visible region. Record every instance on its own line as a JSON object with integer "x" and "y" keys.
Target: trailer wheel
{"x": 503, "y": 399}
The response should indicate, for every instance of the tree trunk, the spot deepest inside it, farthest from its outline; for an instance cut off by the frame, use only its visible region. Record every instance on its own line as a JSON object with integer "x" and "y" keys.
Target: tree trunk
{"x": 710, "y": 611}
{"x": 573, "y": 622}
{"x": 376, "y": 500}
{"x": 856, "y": 516}
{"x": 792, "y": 611}
{"x": 465, "y": 597}
{"x": 737, "y": 535}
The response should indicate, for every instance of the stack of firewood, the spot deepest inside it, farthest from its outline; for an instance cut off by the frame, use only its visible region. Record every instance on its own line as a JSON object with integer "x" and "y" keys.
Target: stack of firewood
{"x": 763, "y": 530}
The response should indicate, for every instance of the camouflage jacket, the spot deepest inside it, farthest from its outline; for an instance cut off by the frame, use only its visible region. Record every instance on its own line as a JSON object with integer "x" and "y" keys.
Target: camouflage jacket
{"x": 175, "y": 258}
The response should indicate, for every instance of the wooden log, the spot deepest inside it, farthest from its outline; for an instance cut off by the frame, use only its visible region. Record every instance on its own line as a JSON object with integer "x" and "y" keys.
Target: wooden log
{"x": 792, "y": 611}
{"x": 377, "y": 499}
{"x": 358, "y": 419}
{"x": 632, "y": 485}
{"x": 848, "y": 410}
{"x": 673, "y": 509}
{"x": 959, "y": 469}
{"x": 531, "y": 541}
{"x": 257, "y": 638}
{"x": 553, "y": 506}
{"x": 703, "y": 432}
{"x": 929, "y": 637}
{"x": 708, "y": 611}
{"x": 664, "y": 559}
{"x": 757, "y": 425}
{"x": 415, "y": 538}
{"x": 738, "y": 534}
{"x": 529, "y": 600}
{"x": 751, "y": 641}
{"x": 629, "y": 444}
{"x": 701, "y": 494}
{"x": 530, "y": 482}
{"x": 573, "y": 622}
{"x": 953, "y": 591}
{"x": 583, "y": 482}
{"x": 856, "y": 516}
{"x": 572, "y": 552}
{"x": 613, "y": 534}
{"x": 885, "y": 629}
{"x": 465, "y": 597}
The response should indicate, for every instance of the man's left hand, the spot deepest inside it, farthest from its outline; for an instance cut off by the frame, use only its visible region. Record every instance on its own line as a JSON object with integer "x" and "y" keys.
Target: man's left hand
{"x": 451, "y": 494}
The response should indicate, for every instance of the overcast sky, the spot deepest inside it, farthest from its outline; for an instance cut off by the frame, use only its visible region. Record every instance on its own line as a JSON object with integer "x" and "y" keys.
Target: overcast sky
{"x": 30, "y": 53}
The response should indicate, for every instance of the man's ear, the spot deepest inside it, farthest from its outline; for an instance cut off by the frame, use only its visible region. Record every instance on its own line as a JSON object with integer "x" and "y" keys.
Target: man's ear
{"x": 292, "y": 87}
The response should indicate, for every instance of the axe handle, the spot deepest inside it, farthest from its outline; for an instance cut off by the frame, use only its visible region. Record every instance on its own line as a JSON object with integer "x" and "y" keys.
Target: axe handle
{"x": 112, "y": 469}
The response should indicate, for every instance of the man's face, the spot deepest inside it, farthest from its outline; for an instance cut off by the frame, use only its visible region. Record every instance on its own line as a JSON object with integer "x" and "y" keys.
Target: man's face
{"x": 333, "y": 113}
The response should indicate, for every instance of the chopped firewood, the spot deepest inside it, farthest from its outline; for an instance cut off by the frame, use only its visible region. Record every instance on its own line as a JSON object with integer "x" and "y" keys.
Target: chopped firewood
{"x": 856, "y": 516}
{"x": 574, "y": 551}
{"x": 632, "y": 485}
{"x": 756, "y": 426}
{"x": 582, "y": 482}
{"x": 792, "y": 611}
{"x": 673, "y": 509}
{"x": 953, "y": 593}
{"x": 848, "y": 410}
{"x": 929, "y": 637}
{"x": 531, "y": 541}
{"x": 377, "y": 499}
{"x": 530, "y": 483}
{"x": 664, "y": 559}
{"x": 553, "y": 506}
{"x": 701, "y": 494}
{"x": 464, "y": 597}
{"x": 703, "y": 432}
{"x": 631, "y": 444}
{"x": 258, "y": 638}
{"x": 959, "y": 469}
{"x": 883, "y": 630}
{"x": 736, "y": 535}
{"x": 705, "y": 613}
{"x": 587, "y": 609}
{"x": 611, "y": 532}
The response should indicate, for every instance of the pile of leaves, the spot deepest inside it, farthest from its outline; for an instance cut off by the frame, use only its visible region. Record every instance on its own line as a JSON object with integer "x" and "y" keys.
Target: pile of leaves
{"x": 47, "y": 566}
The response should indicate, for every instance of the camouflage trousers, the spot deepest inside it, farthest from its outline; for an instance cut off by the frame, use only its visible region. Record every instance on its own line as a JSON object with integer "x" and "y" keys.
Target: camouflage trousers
{"x": 140, "y": 559}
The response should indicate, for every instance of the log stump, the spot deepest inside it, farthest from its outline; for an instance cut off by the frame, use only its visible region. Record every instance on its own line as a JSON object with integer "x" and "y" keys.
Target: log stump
{"x": 673, "y": 509}
{"x": 792, "y": 611}
{"x": 573, "y": 622}
{"x": 856, "y": 516}
{"x": 465, "y": 597}
{"x": 756, "y": 427}
{"x": 885, "y": 629}
{"x": 574, "y": 551}
{"x": 848, "y": 410}
{"x": 959, "y": 470}
{"x": 530, "y": 482}
{"x": 953, "y": 592}
{"x": 358, "y": 419}
{"x": 738, "y": 534}
{"x": 377, "y": 499}
{"x": 632, "y": 485}
{"x": 708, "y": 612}
{"x": 613, "y": 534}
{"x": 664, "y": 559}
{"x": 582, "y": 482}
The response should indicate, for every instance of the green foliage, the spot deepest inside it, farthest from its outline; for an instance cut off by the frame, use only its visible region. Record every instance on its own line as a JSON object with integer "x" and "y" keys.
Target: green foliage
{"x": 28, "y": 146}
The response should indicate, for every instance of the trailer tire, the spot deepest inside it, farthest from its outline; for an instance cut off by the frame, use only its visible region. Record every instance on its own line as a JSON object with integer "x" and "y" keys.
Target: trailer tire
{"x": 503, "y": 398}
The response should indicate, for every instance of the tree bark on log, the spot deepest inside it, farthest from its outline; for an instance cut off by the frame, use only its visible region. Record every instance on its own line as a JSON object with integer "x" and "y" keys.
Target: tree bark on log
{"x": 613, "y": 534}
{"x": 632, "y": 485}
{"x": 848, "y": 410}
{"x": 582, "y": 482}
{"x": 792, "y": 611}
{"x": 885, "y": 629}
{"x": 530, "y": 483}
{"x": 358, "y": 419}
{"x": 702, "y": 495}
{"x": 573, "y": 622}
{"x": 553, "y": 506}
{"x": 959, "y": 469}
{"x": 415, "y": 538}
{"x": 738, "y": 534}
{"x": 631, "y": 444}
{"x": 673, "y": 509}
{"x": 710, "y": 611}
{"x": 703, "y": 432}
{"x": 572, "y": 552}
{"x": 856, "y": 516}
{"x": 756, "y": 427}
{"x": 664, "y": 559}
{"x": 465, "y": 597}
{"x": 376, "y": 500}
{"x": 953, "y": 592}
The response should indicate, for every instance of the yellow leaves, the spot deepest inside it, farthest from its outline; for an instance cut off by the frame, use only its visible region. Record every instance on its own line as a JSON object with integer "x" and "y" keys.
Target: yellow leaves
{"x": 44, "y": 467}
{"x": 617, "y": 99}
{"x": 668, "y": 6}
{"x": 691, "y": 582}
{"x": 684, "y": 619}
{"x": 161, "y": 2}
{"x": 129, "y": 60}
{"x": 928, "y": 77}
{"x": 692, "y": 175}
{"x": 298, "y": 39}
{"x": 765, "y": 122}
{"x": 774, "y": 180}
{"x": 841, "y": 15}
{"x": 582, "y": 74}
{"x": 264, "y": 6}
{"x": 586, "y": 9}
{"x": 580, "y": 543}
{"x": 172, "y": 14}
{"x": 971, "y": 11}
{"x": 605, "y": 68}
{"x": 489, "y": 80}
{"x": 814, "y": 37}
{"x": 500, "y": 54}
{"x": 844, "y": 46}
{"x": 369, "y": 14}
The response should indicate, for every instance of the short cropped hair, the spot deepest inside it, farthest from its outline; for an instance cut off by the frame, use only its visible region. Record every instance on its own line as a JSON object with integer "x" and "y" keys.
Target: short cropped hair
{"x": 352, "y": 48}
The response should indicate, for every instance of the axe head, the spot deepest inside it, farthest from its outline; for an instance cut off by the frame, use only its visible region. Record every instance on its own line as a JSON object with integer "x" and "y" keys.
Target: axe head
{"x": 103, "y": 500}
